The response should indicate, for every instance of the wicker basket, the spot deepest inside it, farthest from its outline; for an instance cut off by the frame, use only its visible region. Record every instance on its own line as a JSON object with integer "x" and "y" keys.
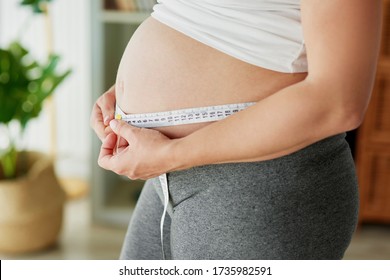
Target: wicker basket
{"x": 31, "y": 207}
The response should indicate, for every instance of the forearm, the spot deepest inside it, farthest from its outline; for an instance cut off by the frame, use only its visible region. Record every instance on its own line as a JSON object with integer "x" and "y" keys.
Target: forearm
{"x": 342, "y": 40}
{"x": 285, "y": 122}
{"x": 342, "y": 54}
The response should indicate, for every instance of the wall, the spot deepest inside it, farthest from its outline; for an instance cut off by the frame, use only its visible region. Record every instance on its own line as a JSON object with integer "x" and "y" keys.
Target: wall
{"x": 72, "y": 101}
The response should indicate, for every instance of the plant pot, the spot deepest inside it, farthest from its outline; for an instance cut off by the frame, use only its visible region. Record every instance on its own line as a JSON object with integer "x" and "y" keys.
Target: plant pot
{"x": 31, "y": 207}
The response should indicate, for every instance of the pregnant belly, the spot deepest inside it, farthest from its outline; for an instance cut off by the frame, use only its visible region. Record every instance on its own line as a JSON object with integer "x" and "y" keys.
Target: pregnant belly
{"x": 163, "y": 69}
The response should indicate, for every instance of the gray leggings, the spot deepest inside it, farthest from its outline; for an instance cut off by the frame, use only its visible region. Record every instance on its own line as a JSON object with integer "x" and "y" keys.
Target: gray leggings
{"x": 300, "y": 206}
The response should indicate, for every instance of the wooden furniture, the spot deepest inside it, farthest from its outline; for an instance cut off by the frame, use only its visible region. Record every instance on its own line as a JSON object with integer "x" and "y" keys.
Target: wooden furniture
{"x": 373, "y": 140}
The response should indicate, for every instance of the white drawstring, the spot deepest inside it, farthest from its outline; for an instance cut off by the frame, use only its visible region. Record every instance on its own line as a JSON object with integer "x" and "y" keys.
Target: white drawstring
{"x": 164, "y": 185}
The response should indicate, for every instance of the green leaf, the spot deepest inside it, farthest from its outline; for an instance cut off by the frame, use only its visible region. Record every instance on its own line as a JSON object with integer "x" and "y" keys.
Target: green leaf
{"x": 36, "y": 5}
{"x": 25, "y": 83}
{"x": 8, "y": 160}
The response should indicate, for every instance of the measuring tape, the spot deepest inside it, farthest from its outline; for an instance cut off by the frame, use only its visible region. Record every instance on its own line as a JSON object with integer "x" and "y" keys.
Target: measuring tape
{"x": 184, "y": 116}
{"x": 178, "y": 117}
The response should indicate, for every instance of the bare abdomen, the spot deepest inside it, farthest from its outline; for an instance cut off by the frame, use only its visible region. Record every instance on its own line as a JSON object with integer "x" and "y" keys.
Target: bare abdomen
{"x": 162, "y": 69}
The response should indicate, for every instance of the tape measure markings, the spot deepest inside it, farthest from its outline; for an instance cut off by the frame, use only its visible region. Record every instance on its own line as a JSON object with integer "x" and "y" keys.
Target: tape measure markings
{"x": 184, "y": 116}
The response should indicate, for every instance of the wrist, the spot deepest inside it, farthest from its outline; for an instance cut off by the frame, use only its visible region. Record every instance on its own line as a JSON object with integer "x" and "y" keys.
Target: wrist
{"x": 177, "y": 157}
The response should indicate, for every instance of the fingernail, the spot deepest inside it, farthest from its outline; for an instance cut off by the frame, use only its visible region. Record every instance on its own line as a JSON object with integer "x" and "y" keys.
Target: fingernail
{"x": 105, "y": 119}
{"x": 113, "y": 124}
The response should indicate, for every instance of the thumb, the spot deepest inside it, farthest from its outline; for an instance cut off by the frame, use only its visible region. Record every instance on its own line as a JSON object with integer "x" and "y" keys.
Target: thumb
{"x": 123, "y": 129}
{"x": 108, "y": 116}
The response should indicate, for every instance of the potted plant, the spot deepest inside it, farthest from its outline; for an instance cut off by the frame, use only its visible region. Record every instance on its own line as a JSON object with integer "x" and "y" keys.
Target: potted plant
{"x": 31, "y": 198}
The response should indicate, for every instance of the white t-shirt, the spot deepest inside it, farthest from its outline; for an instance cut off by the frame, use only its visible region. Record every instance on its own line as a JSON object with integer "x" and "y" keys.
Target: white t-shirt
{"x": 266, "y": 33}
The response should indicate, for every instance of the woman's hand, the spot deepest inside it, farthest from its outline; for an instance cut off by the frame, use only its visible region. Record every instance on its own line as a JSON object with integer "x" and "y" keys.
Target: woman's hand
{"x": 141, "y": 154}
{"x": 102, "y": 113}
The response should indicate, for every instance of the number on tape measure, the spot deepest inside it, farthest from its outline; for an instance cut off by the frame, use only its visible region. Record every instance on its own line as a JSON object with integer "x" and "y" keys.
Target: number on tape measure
{"x": 184, "y": 116}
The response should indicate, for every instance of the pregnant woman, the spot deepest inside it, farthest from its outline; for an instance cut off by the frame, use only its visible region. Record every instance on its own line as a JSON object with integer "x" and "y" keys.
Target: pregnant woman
{"x": 254, "y": 165}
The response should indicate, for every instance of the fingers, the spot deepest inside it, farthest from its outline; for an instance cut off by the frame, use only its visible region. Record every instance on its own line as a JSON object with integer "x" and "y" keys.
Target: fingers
{"x": 102, "y": 113}
{"x": 106, "y": 103}
{"x": 106, "y": 157}
{"x": 109, "y": 155}
{"x": 112, "y": 159}
{"x": 96, "y": 122}
{"x": 124, "y": 130}
{"x": 137, "y": 154}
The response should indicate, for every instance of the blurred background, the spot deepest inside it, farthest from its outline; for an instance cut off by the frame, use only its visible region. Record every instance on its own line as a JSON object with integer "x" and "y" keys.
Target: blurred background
{"x": 94, "y": 206}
